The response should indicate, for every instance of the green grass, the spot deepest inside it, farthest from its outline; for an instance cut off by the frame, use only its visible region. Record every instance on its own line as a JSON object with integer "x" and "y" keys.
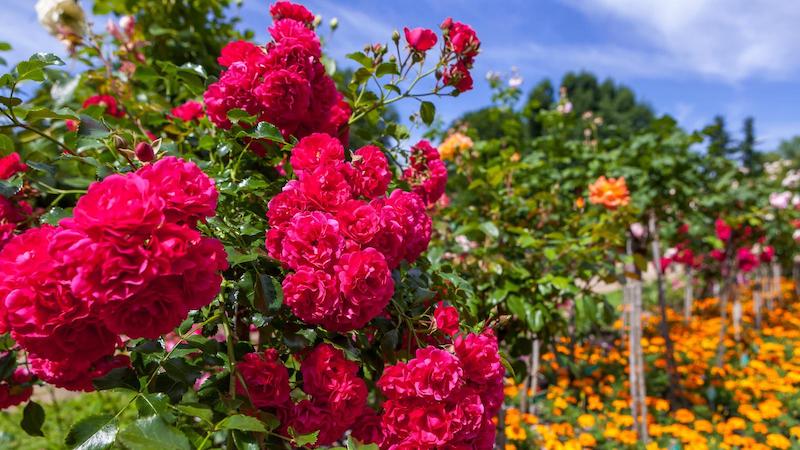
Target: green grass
{"x": 59, "y": 417}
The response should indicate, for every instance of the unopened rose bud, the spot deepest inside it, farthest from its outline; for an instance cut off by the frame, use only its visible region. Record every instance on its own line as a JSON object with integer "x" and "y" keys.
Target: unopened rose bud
{"x": 396, "y": 36}
{"x": 119, "y": 142}
{"x": 334, "y": 24}
{"x": 144, "y": 152}
{"x": 317, "y": 21}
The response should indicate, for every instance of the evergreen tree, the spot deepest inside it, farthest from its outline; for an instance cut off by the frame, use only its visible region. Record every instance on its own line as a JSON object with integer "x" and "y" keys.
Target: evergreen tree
{"x": 747, "y": 148}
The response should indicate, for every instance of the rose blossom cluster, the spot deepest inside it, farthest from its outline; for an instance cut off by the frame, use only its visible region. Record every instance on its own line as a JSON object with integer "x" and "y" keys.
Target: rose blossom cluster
{"x": 283, "y": 83}
{"x": 426, "y": 173}
{"x": 335, "y": 393}
{"x": 129, "y": 262}
{"x": 12, "y": 212}
{"x": 462, "y": 43}
{"x": 444, "y": 399}
{"x": 341, "y": 235}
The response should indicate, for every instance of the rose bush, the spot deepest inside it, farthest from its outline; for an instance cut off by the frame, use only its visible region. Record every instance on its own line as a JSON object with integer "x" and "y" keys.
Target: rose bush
{"x": 202, "y": 237}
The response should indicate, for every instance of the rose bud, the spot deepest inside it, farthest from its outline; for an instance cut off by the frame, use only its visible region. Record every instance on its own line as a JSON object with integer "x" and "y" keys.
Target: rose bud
{"x": 144, "y": 152}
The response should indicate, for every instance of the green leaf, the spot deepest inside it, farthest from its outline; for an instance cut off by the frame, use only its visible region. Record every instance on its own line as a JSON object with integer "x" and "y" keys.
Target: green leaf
{"x": 33, "y": 419}
{"x": 154, "y": 405}
{"x": 490, "y": 229}
{"x": 6, "y": 143}
{"x": 240, "y": 115}
{"x": 119, "y": 377}
{"x": 266, "y": 130}
{"x": 243, "y": 423}
{"x": 54, "y": 215}
{"x": 427, "y": 112}
{"x": 196, "y": 410}
{"x": 92, "y": 433}
{"x": 152, "y": 433}
{"x": 360, "y": 58}
{"x": 10, "y": 102}
{"x": 244, "y": 441}
{"x": 305, "y": 439}
{"x": 387, "y": 68}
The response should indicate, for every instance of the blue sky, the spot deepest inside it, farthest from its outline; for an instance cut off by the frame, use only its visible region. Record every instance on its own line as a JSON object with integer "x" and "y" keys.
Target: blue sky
{"x": 688, "y": 58}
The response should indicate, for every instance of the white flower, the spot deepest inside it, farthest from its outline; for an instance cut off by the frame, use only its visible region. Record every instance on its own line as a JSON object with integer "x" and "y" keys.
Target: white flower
{"x": 515, "y": 81}
{"x": 791, "y": 179}
{"x": 61, "y": 17}
{"x": 637, "y": 230}
{"x": 670, "y": 253}
{"x": 780, "y": 200}
{"x": 796, "y": 235}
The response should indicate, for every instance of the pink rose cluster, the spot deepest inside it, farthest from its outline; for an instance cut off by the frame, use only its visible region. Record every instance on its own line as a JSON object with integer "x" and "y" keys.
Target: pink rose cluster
{"x": 427, "y": 173}
{"x": 283, "y": 83}
{"x": 335, "y": 393}
{"x": 339, "y": 233}
{"x": 12, "y": 212}
{"x": 461, "y": 47}
{"x": 129, "y": 262}
{"x": 444, "y": 398}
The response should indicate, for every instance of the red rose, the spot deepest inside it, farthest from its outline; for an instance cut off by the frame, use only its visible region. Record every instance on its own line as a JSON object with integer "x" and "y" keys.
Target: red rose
{"x": 156, "y": 310}
{"x": 285, "y": 205}
{"x": 289, "y": 10}
{"x": 76, "y": 377}
{"x": 312, "y": 239}
{"x": 327, "y": 186}
{"x": 284, "y": 97}
{"x": 17, "y": 389}
{"x": 366, "y": 283}
{"x": 434, "y": 373}
{"x": 238, "y": 51}
{"x": 315, "y": 150}
{"x": 118, "y": 207}
{"x": 458, "y": 76}
{"x": 461, "y": 38}
{"x": 106, "y": 101}
{"x": 722, "y": 229}
{"x": 446, "y": 318}
{"x": 293, "y": 32}
{"x": 311, "y": 294}
{"x": 358, "y": 220}
{"x": 189, "y": 111}
{"x": 420, "y": 39}
{"x": 480, "y": 358}
{"x": 266, "y": 380}
{"x": 372, "y": 174}
{"x": 189, "y": 194}
{"x": 11, "y": 165}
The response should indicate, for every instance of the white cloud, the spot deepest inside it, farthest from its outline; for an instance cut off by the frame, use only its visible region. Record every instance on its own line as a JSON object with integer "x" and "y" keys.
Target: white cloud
{"x": 731, "y": 40}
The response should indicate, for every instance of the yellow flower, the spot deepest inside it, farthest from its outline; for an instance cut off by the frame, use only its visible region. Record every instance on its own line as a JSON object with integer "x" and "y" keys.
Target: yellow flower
{"x": 703, "y": 426}
{"x": 662, "y": 405}
{"x": 586, "y": 421}
{"x": 778, "y": 441}
{"x": 770, "y": 409}
{"x": 587, "y": 440}
{"x": 511, "y": 447}
{"x": 530, "y": 419}
{"x": 516, "y": 433}
{"x": 795, "y": 431}
{"x": 683, "y": 415}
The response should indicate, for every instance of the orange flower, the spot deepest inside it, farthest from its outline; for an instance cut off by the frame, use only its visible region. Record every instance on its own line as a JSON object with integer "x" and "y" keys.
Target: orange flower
{"x": 684, "y": 416}
{"x": 454, "y": 144}
{"x": 579, "y": 203}
{"x": 609, "y": 192}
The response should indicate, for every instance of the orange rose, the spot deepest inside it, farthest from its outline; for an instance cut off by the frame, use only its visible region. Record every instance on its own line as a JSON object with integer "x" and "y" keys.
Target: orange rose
{"x": 609, "y": 192}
